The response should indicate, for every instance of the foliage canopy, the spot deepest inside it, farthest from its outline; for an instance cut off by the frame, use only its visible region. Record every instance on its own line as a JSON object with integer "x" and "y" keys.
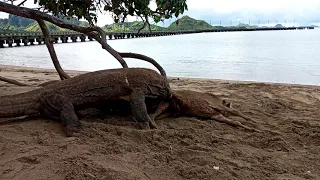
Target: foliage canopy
{"x": 118, "y": 9}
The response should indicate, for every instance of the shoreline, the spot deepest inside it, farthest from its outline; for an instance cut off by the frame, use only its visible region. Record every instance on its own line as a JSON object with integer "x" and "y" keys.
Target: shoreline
{"x": 22, "y": 69}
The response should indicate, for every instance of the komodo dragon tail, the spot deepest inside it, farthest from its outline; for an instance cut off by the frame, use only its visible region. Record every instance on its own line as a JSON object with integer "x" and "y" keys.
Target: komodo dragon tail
{"x": 19, "y": 104}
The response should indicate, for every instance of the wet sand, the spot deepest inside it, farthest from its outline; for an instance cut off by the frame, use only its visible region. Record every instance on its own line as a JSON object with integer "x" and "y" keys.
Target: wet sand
{"x": 181, "y": 148}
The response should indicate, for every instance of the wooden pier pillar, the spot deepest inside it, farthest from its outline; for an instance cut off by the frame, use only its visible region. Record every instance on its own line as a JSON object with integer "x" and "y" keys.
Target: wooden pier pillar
{"x": 31, "y": 41}
{"x": 90, "y": 38}
{"x": 82, "y": 38}
{"x": 9, "y": 42}
{"x": 110, "y": 36}
{"x": 1, "y": 43}
{"x": 25, "y": 42}
{"x": 56, "y": 40}
{"x": 17, "y": 41}
{"x": 64, "y": 39}
{"x": 39, "y": 40}
{"x": 74, "y": 38}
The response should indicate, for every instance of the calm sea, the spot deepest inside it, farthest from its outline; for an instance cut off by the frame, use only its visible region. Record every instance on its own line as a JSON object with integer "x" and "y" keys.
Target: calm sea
{"x": 268, "y": 56}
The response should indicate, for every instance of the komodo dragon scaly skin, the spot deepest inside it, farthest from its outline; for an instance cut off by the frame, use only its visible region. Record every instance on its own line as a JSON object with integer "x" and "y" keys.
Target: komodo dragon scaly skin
{"x": 60, "y": 100}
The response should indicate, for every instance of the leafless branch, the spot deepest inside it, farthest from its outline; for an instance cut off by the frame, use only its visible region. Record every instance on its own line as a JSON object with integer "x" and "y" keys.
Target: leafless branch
{"x": 52, "y": 52}
{"x": 22, "y": 3}
{"x": 11, "y": 81}
{"x": 144, "y": 58}
{"x": 33, "y": 14}
{"x": 94, "y": 32}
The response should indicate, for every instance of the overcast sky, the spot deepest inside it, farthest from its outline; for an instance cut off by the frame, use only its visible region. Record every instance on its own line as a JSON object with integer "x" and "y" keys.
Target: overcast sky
{"x": 303, "y": 12}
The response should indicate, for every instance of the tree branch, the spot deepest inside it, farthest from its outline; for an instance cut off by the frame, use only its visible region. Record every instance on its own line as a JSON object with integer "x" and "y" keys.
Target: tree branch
{"x": 106, "y": 46}
{"x": 11, "y": 81}
{"x": 144, "y": 25}
{"x": 52, "y": 52}
{"x": 22, "y": 3}
{"x": 90, "y": 31}
{"x": 147, "y": 21}
{"x": 144, "y": 58}
{"x": 34, "y": 14}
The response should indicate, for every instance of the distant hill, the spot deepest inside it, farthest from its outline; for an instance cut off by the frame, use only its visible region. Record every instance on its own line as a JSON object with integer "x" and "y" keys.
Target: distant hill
{"x": 19, "y": 24}
{"x": 314, "y": 26}
{"x": 279, "y": 26}
{"x": 188, "y": 23}
{"x": 130, "y": 26}
{"x": 16, "y": 21}
{"x": 34, "y": 27}
{"x": 8, "y": 28}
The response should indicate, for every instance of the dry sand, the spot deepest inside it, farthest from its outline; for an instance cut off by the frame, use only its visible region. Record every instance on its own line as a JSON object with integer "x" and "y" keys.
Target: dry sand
{"x": 182, "y": 148}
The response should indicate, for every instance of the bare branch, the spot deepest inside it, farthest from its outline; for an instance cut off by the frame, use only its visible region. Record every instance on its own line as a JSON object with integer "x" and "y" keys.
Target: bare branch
{"x": 144, "y": 25}
{"x": 147, "y": 21}
{"x": 22, "y": 3}
{"x": 11, "y": 81}
{"x": 90, "y": 31}
{"x": 144, "y": 58}
{"x": 113, "y": 52}
{"x": 33, "y": 14}
{"x": 52, "y": 52}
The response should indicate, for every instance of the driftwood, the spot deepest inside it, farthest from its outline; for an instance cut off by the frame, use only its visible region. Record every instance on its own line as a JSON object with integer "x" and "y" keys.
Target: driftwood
{"x": 12, "y": 81}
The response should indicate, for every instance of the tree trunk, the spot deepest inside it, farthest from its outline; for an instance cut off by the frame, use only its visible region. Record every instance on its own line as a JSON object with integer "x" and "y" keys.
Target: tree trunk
{"x": 52, "y": 52}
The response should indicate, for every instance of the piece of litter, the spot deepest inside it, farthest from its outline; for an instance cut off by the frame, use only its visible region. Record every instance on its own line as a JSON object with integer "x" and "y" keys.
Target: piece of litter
{"x": 216, "y": 167}
{"x": 308, "y": 171}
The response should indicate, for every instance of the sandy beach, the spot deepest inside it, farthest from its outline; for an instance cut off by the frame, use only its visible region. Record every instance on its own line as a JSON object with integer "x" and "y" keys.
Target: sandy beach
{"x": 181, "y": 148}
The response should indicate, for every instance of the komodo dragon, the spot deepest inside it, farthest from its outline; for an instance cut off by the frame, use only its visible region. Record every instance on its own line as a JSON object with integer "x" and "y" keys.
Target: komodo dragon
{"x": 201, "y": 105}
{"x": 60, "y": 100}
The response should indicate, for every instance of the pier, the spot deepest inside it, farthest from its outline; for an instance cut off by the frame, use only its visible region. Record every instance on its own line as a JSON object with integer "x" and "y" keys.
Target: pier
{"x": 28, "y": 39}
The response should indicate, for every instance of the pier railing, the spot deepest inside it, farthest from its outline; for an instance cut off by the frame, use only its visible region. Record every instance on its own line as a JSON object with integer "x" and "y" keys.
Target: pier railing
{"x": 13, "y": 39}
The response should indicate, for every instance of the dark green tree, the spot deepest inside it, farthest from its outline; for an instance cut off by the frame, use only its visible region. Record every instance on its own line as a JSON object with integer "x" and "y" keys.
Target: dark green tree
{"x": 48, "y": 10}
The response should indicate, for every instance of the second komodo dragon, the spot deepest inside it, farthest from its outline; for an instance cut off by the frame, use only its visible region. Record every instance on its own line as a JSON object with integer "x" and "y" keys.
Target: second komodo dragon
{"x": 60, "y": 100}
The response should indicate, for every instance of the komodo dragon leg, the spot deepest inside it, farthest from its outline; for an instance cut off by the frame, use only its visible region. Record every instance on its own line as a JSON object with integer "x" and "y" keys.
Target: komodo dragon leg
{"x": 233, "y": 112}
{"x": 221, "y": 118}
{"x": 162, "y": 107}
{"x": 139, "y": 110}
{"x": 57, "y": 106}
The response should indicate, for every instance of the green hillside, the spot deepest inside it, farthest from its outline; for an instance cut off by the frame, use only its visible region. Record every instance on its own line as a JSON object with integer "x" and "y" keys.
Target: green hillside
{"x": 34, "y": 27}
{"x": 130, "y": 26}
{"x": 8, "y": 28}
{"x": 20, "y": 24}
{"x": 188, "y": 23}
